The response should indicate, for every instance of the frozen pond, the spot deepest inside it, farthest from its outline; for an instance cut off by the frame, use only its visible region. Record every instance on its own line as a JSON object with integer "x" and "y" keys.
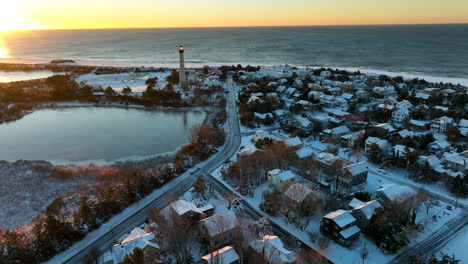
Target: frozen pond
{"x": 95, "y": 134}
{"x": 23, "y": 76}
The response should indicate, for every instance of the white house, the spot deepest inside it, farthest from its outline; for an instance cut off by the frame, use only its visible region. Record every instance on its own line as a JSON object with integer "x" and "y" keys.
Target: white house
{"x": 137, "y": 238}
{"x": 382, "y": 143}
{"x": 400, "y": 115}
{"x": 272, "y": 250}
{"x": 404, "y": 104}
{"x": 441, "y": 124}
{"x": 276, "y": 176}
{"x": 395, "y": 192}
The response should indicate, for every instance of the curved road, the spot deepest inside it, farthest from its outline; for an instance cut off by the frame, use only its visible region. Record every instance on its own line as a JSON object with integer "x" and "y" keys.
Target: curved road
{"x": 103, "y": 238}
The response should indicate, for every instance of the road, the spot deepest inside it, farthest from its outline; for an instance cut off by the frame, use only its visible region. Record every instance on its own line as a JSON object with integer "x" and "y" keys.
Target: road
{"x": 104, "y": 237}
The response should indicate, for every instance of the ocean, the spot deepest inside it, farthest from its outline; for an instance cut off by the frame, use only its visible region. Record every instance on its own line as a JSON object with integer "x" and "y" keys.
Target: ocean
{"x": 434, "y": 50}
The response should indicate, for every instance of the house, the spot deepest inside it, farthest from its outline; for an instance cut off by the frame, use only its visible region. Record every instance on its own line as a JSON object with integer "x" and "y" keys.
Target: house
{"x": 400, "y": 115}
{"x": 404, "y": 104}
{"x": 337, "y": 131}
{"x": 351, "y": 177}
{"x": 432, "y": 161}
{"x": 328, "y": 100}
{"x": 457, "y": 161}
{"x": 247, "y": 151}
{"x": 463, "y": 127}
{"x": 400, "y": 151}
{"x": 185, "y": 211}
{"x": 276, "y": 176}
{"x": 394, "y": 192}
{"x": 304, "y": 153}
{"x": 349, "y": 140}
{"x": 281, "y": 89}
{"x": 341, "y": 226}
{"x": 261, "y": 134}
{"x": 329, "y": 162}
{"x": 303, "y": 125}
{"x": 417, "y": 125}
{"x": 382, "y": 143}
{"x": 438, "y": 147}
{"x": 422, "y": 97}
{"x": 263, "y": 117}
{"x": 293, "y": 142}
{"x": 298, "y": 193}
{"x": 220, "y": 229}
{"x": 386, "y": 107}
{"x": 441, "y": 124}
{"x": 363, "y": 211}
{"x": 270, "y": 249}
{"x": 137, "y": 238}
{"x": 325, "y": 74}
{"x": 386, "y": 128}
{"x": 225, "y": 255}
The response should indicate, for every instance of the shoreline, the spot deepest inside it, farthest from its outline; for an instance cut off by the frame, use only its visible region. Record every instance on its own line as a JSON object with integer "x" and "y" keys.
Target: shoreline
{"x": 462, "y": 80}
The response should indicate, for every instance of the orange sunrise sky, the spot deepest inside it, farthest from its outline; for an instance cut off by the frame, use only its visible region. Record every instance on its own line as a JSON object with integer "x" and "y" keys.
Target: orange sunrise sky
{"x": 71, "y": 14}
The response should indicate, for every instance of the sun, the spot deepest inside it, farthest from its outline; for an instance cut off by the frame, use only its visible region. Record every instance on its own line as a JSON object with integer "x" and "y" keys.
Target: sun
{"x": 9, "y": 19}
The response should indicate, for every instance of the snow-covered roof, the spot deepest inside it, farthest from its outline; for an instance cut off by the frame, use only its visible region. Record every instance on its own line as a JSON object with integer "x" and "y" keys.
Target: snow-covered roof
{"x": 273, "y": 249}
{"x": 293, "y": 142}
{"x": 368, "y": 208}
{"x": 304, "y": 152}
{"x": 253, "y": 99}
{"x": 382, "y": 143}
{"x": 304, "y": 122}
{"x": 285, "y": 175}
{"x": 417, "y": 122}
{"x": 341, "y": 217}
{"x": 386, "y": 106}
{"x": 400, "y": 150}
{"x": 257, "y": 94}
{"x": 387, "y": 127}
{"x": 395, "y": 192}
{"x": 350, "y": 231}
{"x": 406, "y": 133}
{"x": 458, "y": 159}
{"x": 327, "y": 158}
{"x": 225, "y": 255}
{"x": 347, "y": 96}
{"x": 274, "y": 172}
{"x": 220, "y": 223}
{"x": 357, "y": 168}
{"x": 422, "y": 96}
{"x": 432, "y": 160}
{"x": 262, "y": 134}
{"x": 440, "y": 144}
{"x": 297, "y": 192}
{"x": 137, "y": 238}
{"x": 247, "y": 150}
{"x": 182, "y": 206}
{"x": 340, "y": 130}
{"x": 463, "y": 123}
{"x": 355, "y": 202}
{"x": 444, "y": 119}
{"x": 263, "y": 116}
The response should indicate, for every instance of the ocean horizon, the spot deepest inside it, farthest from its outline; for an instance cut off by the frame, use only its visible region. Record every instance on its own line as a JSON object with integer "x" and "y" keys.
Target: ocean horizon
{"x": 432, "y": 50}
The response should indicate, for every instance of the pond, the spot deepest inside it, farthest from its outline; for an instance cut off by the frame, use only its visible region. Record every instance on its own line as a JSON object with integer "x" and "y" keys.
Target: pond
{"x": 96, "y": 134}
{"x": 15, "y": 76}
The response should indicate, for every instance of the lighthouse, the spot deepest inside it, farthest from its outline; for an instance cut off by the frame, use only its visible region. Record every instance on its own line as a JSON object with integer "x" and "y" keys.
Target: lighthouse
{"x": 183, "y": 80}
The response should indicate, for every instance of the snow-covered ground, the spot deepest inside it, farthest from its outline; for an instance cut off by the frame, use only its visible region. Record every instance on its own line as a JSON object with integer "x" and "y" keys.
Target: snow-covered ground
{"x": 26, "y": 191}
{"x": 136, "y": 81}
{"x": 458, "y": 246}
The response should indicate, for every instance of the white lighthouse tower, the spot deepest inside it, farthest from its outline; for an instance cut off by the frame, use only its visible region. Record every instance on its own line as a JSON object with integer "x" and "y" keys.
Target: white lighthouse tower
{"x": 183, "y": 79}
